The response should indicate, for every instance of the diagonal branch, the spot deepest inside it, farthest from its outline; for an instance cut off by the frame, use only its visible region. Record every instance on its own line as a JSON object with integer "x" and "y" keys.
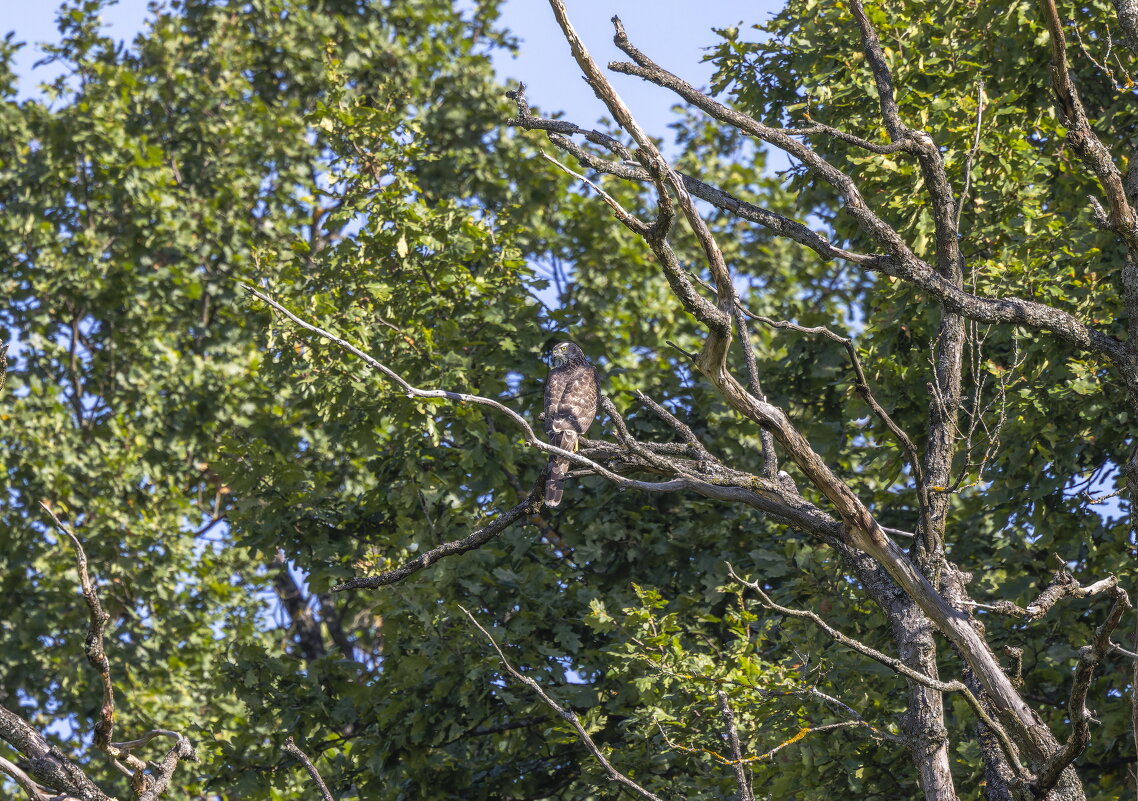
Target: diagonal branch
{"x": 292, "y": 750}
{"x": 718, "y": 322}
{"x": 476, "y": 539}
{"x": 46, "y": 763}
{"x": 759, "y": 493}
{"x": 566, "y": 714}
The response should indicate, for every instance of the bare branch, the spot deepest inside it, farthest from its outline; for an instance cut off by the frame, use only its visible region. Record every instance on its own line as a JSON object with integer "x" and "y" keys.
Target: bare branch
{"x": 741, "y": 782}
{"x": 923, "y": 146}
{"x": 631, "y": 221}
{"x": 1077, "y": 711}
{"x": 567, "y": 715}
{"x": 145, "y": 739}
{"x": 45, "y": 762}
{"x": 765, "y": 496}
{"x": 28, "y": 784}
{"x": 96, "y": 655}
{"x": 781, "y": 226}
{"x": 1062, "y": 585}
{"x": 292, "y": 750}
{"x": 681, "y": 428}
{"x": 718, "y": 321}
{"x": 1122, "y": 219}
{"x": 149, "y": 787}
{"x": 159, "y": 780}
{"x": 1081, "y": 136}
{"x": 861, "y": 384}
{"x": 528, "y": 506}
{"x": 970, "y": 156}
{"x": 815, "y": 127}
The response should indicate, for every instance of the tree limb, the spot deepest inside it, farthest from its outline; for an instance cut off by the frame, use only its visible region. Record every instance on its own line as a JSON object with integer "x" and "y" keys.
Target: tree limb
{"x": 567, "y": 715}
{"x": 476, "y": 539}
{"x": 292, "y": 750}
{"x": 1077, "y": 711}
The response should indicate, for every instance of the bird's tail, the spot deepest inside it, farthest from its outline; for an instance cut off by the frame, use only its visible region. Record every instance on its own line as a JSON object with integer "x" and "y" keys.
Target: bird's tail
{"x": 559, "y": 467}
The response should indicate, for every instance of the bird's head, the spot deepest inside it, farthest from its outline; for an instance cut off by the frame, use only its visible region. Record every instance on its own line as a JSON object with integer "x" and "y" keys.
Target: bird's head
{"x": 565, "y": 352}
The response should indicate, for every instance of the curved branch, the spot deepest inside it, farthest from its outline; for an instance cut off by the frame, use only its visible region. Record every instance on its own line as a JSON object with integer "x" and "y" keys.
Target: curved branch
{"x": 1078, "y": 713}
{"x": 96, "y": 654}
{"x": 760, "y": 494}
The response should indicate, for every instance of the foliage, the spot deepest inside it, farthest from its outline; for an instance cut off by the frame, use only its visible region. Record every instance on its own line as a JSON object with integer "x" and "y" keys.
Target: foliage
{"x": 351, "y": 160}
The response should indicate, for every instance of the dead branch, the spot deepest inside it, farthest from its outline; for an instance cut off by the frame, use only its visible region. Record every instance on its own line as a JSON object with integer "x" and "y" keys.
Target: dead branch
{"x": 46, "y": 763}
{"x": 96, "y": 655}
{"x": 1062, "y": 585}
{"x": 292, "y": 750}
{"x": 476, "y": 539}
{"x": 741, "y": 782}
{"x": 566, "y": 714}
{"x": 763, "y": 495}
{"x": 1077, "y": 711}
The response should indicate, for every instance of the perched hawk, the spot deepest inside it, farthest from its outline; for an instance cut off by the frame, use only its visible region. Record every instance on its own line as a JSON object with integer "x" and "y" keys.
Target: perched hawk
{"x": 571, "y": 393}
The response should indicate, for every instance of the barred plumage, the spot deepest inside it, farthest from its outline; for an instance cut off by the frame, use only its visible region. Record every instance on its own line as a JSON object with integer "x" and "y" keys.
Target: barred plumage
{"x": 571, "y": 393}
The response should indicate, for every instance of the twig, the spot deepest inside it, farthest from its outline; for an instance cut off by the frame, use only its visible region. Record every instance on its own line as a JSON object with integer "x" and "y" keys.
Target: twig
{"x": 292, "y": 750}
{"x": 568, "y": 715}
{"x": 630, "y": 220}
{"x": 971, "y": 154}
{"x": 794, "y": 738}
{"x": 681, "y": 428}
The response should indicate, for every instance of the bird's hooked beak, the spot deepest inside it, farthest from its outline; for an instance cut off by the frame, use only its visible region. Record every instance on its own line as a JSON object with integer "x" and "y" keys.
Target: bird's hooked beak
{"x": 558, "y": 356}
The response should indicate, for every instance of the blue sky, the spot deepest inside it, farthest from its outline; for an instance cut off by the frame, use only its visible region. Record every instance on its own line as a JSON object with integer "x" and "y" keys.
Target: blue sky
{"x": 673, "y": 32}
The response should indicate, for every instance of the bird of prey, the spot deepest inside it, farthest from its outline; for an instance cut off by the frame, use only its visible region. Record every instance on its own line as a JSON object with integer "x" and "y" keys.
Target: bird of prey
{"x": 571, "y": 393}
